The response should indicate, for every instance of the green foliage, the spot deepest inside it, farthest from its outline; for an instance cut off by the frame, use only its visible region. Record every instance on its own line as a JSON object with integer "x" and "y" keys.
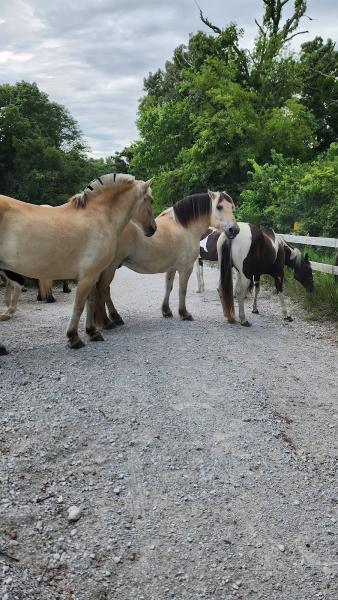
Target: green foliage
{"x": 285, "y": 191}
{"x": 215, "y": 107}
{"x": 319, "y": 78}
{"x": 42, "y": 155}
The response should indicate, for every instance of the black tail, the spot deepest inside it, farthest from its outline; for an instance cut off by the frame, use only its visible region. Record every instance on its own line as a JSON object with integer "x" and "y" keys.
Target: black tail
{"x": 226, "y": 279}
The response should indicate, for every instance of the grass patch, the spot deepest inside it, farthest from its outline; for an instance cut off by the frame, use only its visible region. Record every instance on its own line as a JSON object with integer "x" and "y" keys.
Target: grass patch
{"x": 323, "y": 302}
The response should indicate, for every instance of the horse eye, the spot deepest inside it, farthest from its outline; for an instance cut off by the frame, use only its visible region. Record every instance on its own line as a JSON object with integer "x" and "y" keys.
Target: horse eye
{"x": 219, "y": 206}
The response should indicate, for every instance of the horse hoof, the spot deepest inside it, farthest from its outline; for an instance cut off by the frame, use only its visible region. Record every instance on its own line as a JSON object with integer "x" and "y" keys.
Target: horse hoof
{"x": 187, "y": 317}
{"x": 5, "y": 317}
{"x": 119, "y": 321}
{"x": 246, "y": 324}
{"x": 110, "y": 325}
{"x": 76, "y": 344}
{"x": 232, "y": 321}
{"x": 3, "y": 350}
{"x": 167, "y": 315}
{"x": 97, "y": 337}
{"x": 255, "y": 311}
{"x": 289, "y": 318}
{"x": 50, "y": 300}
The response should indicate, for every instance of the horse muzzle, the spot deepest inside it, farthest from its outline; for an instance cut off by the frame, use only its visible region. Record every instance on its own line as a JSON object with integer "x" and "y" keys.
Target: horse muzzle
{"x": 231, "y": 231}
{"x": 150, "y": 230}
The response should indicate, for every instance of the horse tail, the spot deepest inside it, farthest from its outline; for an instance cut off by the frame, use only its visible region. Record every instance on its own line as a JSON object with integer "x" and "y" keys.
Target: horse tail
{"x": 227, "y": 293}
{"x": 45, "y": 290}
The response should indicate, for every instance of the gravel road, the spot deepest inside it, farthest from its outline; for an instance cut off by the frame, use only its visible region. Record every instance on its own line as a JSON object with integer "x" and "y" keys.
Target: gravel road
{"x": 201, "y": 455}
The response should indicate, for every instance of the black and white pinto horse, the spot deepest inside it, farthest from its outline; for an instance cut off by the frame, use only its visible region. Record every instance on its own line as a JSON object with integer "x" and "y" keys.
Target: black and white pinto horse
{"x": 255, "y": 252}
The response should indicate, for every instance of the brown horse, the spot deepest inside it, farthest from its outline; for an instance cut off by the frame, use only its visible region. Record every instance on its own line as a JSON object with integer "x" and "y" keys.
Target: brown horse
{"x": 174, "y": 247}
{"x": 77, "y": 240}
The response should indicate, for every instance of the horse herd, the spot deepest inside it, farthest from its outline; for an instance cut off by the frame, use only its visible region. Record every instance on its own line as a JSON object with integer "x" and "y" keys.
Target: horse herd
{"x": 111, "y": 223}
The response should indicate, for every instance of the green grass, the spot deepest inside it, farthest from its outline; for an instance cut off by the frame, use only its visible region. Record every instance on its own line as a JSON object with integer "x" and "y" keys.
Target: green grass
{"x": 322, "y": 304}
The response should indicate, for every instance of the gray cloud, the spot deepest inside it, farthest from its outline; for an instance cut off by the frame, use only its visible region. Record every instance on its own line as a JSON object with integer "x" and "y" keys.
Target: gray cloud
{"x": 92, "y": 55}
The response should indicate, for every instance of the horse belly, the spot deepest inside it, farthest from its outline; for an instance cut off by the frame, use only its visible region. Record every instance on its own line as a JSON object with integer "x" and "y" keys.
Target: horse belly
{"x": 40, "y": 256}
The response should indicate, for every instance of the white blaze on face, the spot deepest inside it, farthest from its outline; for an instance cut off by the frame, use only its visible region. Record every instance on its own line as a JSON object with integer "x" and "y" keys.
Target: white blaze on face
{"x": 222, "y": 211}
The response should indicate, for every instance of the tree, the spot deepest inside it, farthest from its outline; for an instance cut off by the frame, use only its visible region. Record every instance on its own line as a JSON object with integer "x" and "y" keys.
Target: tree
{"x": 319, "y": 87}
{"x": 42, "y": 155}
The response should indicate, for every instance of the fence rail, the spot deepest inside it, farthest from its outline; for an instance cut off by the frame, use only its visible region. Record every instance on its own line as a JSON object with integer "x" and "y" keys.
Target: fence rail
{"x": 315, "y": 241}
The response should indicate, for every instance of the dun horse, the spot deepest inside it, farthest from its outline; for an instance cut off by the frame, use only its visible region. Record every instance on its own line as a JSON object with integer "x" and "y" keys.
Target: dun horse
{"x": 174, "y": 247}
{"x": 14, "y": 284}
{"x": 256, "y": 252}
{"x": 77, "y": 240}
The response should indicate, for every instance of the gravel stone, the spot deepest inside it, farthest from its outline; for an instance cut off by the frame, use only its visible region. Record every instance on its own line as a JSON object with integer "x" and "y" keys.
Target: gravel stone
{"x": 232, "y": 457}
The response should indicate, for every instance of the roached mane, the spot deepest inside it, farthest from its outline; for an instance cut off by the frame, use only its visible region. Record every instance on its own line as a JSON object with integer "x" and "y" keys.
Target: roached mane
{"x": 192, "y": 208}
{"x": 97, "y": 185}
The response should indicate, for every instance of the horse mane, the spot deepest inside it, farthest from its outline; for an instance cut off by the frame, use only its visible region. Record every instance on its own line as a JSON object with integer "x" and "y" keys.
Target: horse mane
{"x": 96, "y": 186}
{"x": 192, "y": 208}
{"x": 293, "y": 256}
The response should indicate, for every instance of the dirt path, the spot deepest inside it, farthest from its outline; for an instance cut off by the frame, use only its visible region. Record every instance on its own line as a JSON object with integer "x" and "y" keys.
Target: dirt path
{"x": 202, "y": 455}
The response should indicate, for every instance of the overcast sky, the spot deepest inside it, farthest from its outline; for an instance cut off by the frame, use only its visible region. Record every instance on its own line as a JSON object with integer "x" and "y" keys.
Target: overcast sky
{"x": 92, "y": 55}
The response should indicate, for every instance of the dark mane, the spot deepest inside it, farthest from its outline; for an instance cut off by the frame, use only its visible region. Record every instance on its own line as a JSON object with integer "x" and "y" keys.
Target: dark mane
{"x": 97, "y": 185}
{"x": 192, "y": 208}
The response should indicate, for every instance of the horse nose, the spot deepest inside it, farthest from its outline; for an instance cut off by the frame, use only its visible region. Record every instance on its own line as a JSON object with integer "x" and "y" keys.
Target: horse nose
{"x": 151, "y": 230}
{"x": 232, "y": 231}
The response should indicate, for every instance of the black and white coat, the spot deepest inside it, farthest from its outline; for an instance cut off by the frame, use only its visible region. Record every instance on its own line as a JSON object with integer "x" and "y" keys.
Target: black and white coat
{"x": 255, "y": 252}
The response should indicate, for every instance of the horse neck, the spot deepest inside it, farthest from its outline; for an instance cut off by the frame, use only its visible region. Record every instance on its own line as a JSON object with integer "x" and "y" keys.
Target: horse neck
{"x": 200, "y": 225}
{"x": 290, "y": 262}
{"x": 119, "y": 206}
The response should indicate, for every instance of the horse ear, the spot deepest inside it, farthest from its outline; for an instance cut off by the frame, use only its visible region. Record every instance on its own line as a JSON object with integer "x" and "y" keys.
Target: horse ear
{"x": 147, "y": 184}
{"x": 212, "y": 195}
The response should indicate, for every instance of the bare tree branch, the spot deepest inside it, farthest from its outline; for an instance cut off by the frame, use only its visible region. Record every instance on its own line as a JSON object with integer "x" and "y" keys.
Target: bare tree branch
{"x": 260, "y": 28}
{"x": 294, "y": 35}
{"x": 206, "y": 22}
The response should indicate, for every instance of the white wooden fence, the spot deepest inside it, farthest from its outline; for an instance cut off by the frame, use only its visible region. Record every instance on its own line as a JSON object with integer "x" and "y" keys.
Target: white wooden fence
{"x": 315, "y": 241}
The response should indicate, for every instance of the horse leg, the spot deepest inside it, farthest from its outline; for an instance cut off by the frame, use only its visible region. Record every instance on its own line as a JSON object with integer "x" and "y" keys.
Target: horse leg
{"x": 82, "y": 292}
{"x": 12, "y": 295}
{"x": 200, "y": 276}
{"x": 45, "y": 290}
{"x": 256, "y": 293}
{"x": 91, "y": 329}
{"x": 242, "y": 290}
{"x": 183, "y": 284}
{"x": 169, "y": 282}
{"x": 8, "y": 292}
{"x": 65, "y": 287}
{"x": 103, "y": 298}
{"x": 116, "y": 319}
{"x": 279, "y": 287}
